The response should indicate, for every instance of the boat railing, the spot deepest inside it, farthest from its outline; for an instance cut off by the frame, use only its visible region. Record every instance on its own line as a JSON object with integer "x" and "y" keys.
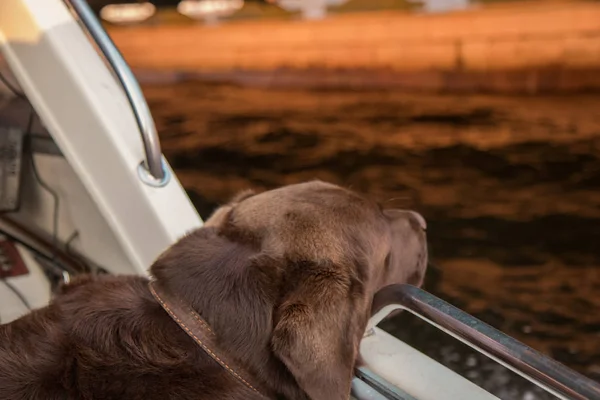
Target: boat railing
{"x": 534, "y": 366}
{"x": 367, "y": 385}
{"x": 152, "y": 170}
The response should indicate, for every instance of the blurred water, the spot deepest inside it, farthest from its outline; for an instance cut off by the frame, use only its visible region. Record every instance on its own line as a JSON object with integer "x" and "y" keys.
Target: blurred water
{"x": 510, "y": 187}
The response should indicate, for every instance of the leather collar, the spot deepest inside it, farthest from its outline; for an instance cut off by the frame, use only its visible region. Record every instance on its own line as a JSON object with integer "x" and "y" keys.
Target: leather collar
{"x": 195, "y": 326}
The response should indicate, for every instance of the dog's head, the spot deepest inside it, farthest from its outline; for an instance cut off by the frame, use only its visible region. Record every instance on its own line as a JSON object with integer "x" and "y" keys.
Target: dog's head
{"x": 288, "y": 276}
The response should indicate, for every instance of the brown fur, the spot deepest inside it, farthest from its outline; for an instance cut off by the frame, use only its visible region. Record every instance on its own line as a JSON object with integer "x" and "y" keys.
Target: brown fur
{"x": 285, "y": 278}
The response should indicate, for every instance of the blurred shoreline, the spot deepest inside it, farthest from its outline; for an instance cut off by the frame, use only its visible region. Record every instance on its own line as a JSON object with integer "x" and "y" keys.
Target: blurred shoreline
{"x": 531, "y": 47}
{"x": 509, "y": 82}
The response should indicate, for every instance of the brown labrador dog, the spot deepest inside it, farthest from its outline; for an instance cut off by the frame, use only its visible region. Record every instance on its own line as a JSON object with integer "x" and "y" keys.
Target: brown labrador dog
{"x": 285, "y": 280}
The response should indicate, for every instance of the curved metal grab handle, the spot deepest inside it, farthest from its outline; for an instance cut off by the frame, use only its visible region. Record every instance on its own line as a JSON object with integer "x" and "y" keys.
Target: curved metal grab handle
{"x": 539, "y": 369}
{"x": 153, "y": 163}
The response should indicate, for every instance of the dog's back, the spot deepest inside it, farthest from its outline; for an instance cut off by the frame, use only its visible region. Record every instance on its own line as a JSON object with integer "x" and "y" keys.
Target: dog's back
{"x": 105, "y": 336}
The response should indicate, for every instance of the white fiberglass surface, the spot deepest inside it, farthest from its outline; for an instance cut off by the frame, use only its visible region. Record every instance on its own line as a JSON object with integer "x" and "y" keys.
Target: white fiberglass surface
{"x": 88, "y": 116}
{"x": 414, "y": 372}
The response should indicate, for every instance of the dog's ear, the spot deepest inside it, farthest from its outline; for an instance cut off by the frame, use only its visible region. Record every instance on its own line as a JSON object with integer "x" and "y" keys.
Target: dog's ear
{"x": 318, "y": 327}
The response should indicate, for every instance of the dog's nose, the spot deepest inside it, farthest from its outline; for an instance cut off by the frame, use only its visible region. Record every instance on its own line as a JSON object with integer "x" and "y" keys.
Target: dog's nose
{"x": 418, "y": 219}
{"x": 414, "y": 219}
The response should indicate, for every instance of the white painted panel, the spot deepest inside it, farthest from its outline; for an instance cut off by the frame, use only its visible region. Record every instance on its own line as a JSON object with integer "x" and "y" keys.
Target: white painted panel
{"x": 88, "y": 115}
{"x": 414, "y": 372}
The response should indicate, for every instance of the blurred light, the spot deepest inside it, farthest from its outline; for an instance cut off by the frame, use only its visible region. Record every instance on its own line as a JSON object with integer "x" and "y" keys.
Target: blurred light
{"x": 298, "y": 4}
{"x": 441, "y": 6}
{"x": 310, "y": 9}
{"x": 127, "y": 13}
{"x": 209, "y": 8}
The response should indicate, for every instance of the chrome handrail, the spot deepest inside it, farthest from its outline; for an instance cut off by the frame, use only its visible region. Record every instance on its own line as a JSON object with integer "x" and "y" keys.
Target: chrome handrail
{"x": 534, "y": 366}
{"x": 153, "y": 162}
{"x": 362, "y": 391}
{"x": 367, "y": 385}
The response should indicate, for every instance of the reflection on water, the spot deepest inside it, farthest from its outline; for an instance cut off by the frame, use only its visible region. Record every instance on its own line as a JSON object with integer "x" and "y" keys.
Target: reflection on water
{"x": 510, "y": 188}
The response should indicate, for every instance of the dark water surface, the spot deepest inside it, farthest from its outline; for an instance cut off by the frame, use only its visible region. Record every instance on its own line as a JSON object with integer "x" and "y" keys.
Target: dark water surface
{"x": 510, "y": 187}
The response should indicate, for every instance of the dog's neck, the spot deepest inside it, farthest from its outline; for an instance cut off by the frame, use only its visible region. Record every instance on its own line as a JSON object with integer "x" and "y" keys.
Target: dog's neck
{"x": 235, "y": 292}
{"x": 197, "y": 329}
